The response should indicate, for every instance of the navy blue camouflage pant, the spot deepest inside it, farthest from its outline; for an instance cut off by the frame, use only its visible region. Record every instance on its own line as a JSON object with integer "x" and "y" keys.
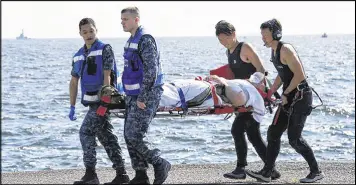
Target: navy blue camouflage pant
{"x": 137, "y": 122}
{"x": 96, "y": 126}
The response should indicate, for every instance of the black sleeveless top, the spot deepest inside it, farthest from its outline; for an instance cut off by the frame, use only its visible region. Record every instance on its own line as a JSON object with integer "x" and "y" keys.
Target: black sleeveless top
{"x": 283, "y": 70}
{"x": 241, "y": 69}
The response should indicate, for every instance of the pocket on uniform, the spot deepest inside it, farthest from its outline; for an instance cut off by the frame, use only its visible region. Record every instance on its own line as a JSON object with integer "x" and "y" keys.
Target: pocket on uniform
{"x": 134, "y": 62}
{"x": 91, "y": 69}
{"x": 134, "y": 65}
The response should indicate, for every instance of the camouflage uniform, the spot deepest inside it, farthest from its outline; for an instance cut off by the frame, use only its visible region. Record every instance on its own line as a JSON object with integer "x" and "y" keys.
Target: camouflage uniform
{"x": 138, "y": 120}
{"x": 96, "y": 126}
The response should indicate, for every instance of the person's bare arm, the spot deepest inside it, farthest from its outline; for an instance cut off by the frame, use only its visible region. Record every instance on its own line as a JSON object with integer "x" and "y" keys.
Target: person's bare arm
{"x": 276, "y": 84}
{"x": 289, "y": 57}
{"x": 107, "y": 77}
{"x": 73, "y": 90}
{"x": 217, "y": 79}
{"x": 252, "y": 57}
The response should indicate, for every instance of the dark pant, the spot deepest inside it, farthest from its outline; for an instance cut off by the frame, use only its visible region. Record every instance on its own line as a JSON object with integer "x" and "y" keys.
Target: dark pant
{"x": 293, "y": 119}
{"x": 137, "y": 122}
{"x": 96, "y": 126}
{"x": 244, "y": 122}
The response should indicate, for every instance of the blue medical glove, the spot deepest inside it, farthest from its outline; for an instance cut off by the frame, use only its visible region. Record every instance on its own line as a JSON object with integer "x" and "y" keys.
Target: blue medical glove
{"x": 71, "y": 113}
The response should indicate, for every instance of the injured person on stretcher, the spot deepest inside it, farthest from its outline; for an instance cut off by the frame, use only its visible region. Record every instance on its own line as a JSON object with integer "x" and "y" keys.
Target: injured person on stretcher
{"x": 244, "y": 95}
{"x": 212, "y": 95}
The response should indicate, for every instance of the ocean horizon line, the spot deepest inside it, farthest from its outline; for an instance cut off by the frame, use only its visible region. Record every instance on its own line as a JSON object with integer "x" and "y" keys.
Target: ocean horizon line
{"x": 238, "y": 36}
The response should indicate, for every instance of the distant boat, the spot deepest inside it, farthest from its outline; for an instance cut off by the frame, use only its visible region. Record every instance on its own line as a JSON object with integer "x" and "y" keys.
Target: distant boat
{"x": 22, "y": 36}
{"x": 324, "y": 35}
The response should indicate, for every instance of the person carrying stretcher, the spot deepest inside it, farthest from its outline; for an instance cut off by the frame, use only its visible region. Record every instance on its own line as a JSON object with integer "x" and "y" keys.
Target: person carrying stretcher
{"x": 246, "y": 98}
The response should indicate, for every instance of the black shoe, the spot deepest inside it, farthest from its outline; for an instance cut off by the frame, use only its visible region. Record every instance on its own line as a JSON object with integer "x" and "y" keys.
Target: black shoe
{"x": 139, "y": 181}
{"x": 140, "y": 178}
{"x": 275, "y": 174}
{"x": 120, "y": 179}
{"x": 90, "y": 177}
{"x": 263, "y": 175}
{"x": 238, "y": 173}
{"x": 312, "y": 177}
{"x": 161, "y": 170}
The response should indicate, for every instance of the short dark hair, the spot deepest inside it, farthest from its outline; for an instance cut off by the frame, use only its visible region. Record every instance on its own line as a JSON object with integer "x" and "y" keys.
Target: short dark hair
{"x": 132, "y": 9}
{"x": 270, "y": 24}
{"x": 85, "y": 21}
{"x": 224, "y": 27}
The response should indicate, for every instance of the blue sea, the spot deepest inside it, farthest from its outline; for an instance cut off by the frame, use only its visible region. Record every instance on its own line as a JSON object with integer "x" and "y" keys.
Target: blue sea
{"x": 36, "y": 133}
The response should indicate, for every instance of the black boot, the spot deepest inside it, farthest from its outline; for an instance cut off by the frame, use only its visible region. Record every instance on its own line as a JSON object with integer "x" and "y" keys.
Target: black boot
{"x": 238, "y": 173}
{"x": 121, "y": 177}
{"x": 161, "y": 169}
{"x": 89, "y": 177}
{"x": 141, "y": 177}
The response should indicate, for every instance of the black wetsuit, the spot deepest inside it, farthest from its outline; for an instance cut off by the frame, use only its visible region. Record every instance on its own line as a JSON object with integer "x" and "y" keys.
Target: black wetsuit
{"x": 293, "y": 119}
{"x": 241, "y": 69}
{"x": 244, "y": 122}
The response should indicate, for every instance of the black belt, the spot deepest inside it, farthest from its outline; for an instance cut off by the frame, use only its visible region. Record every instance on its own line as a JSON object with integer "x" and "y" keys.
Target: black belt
{"x": 302, "y": 86}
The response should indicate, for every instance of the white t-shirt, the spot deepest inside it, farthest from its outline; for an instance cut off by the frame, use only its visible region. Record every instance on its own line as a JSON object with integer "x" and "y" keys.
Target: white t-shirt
{"x": 254, "y": 98}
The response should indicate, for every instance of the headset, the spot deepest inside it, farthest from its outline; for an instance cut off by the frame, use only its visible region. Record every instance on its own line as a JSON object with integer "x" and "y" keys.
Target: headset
{"x": 276, "y": 32}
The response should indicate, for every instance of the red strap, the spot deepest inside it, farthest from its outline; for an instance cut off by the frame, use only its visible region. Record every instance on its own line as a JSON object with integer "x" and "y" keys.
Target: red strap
{"x": 101, "y": 110}
{"x": 264, "y": 96}
{"x": 262, "y": 93}
{"x": 213, "y": 93}
{"x": 224, "y": 110}
{"x": 277, "y": 115}
{"x": 199, "y": 78}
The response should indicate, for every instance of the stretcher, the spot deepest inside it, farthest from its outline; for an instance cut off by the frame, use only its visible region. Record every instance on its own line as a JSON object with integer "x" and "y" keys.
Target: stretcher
{"x": 200, "y": 110}
{"x": 178, "y": 111}
{"x": 226, "y": 109}
{"x": 209, "y": 102}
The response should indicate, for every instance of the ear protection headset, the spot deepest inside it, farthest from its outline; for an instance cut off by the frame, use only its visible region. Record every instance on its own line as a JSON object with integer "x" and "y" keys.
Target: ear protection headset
{"x": 276, "y": 32}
